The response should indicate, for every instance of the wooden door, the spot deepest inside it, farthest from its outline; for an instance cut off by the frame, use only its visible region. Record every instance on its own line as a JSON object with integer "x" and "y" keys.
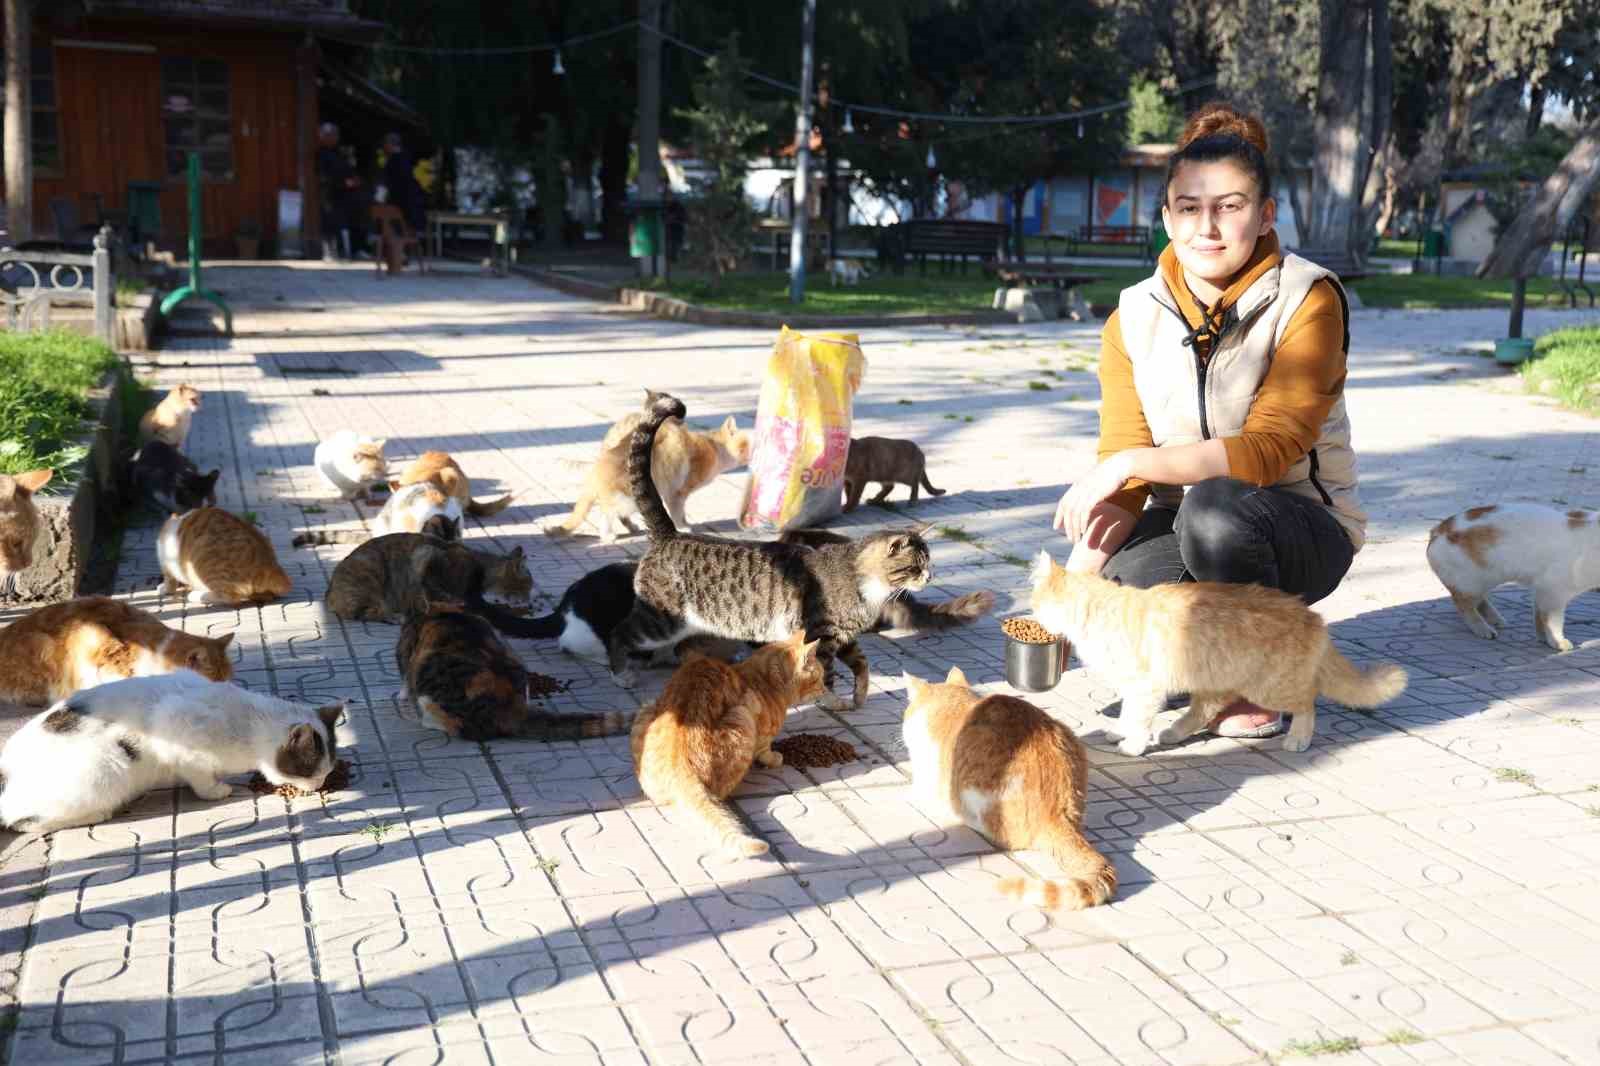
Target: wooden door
{"x": 111, "y": 121}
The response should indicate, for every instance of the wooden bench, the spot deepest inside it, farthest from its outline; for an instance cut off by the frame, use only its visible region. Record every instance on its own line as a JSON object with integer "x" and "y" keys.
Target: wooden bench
{"x": 1339, "y": 260}
{"x": 1021, "y": 281}
{"x": 949, "y": 239}
{"x": 1088, "y": 233}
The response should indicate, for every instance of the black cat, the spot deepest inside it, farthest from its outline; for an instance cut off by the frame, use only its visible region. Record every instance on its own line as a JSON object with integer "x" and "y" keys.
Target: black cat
{"x": 168, "y": 480}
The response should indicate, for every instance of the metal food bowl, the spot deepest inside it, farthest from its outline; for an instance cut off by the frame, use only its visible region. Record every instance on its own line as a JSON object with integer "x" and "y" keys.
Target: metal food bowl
{"x": 1035, "y": 667}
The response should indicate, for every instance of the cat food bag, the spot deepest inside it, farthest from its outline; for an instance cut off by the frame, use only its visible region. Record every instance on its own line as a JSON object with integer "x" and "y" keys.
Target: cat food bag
{"x": 802, "y": 433}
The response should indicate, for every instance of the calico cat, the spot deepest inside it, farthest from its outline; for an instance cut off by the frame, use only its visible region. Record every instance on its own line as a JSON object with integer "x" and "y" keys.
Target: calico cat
{"x": 446, "y": 474}
{"x": 97, "y": 751}
{"x": 168, "y": 480}
{"x": 1556, "y": 552}
{"x": 1005, "y": 768}
{"x": 220, "y": 558}
{"x": 169, "y": 420}
{"x": 687, "y": 584}
{"x": 19, "y": 518}
{"x": 694, "y": 745}
{"x": 1217, "y": 642}
{"x": 892, "y": 462}
{"x": 682, "y": 461}
{"x": 381, "y": 579}
{"x": 459, "y": 672}
{"x": 351, "y": 464}
{"x": 53, "y": 652}
{"x": 410, "y": 507}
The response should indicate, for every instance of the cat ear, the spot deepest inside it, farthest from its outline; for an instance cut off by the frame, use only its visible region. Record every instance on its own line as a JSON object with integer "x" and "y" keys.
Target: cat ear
{"x": 331, "y": 714}
{"x": 956, "y": 677}
{"x": 380, "y": 442}
{"x": 915, "y": 688}
{"x": 516, "y": 553}
{"x": 224, "y": 640}
{"x": 394, "y": 484}
{"x": 34, "y": 480}
{"x": 1043, "y": 565}
{"x": 808, "y": 652}
{"x": 729, "y": 426}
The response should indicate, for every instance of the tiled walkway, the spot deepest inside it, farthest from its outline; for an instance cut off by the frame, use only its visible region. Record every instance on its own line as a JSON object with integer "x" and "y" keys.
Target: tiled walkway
{"x": 1424, "y": 881}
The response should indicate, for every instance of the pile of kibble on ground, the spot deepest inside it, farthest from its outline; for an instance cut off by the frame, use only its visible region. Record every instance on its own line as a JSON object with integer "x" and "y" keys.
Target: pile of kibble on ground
{"x": 804, "y": 750}
{"x": 338, "y": 780}
{"x": 1027, "y": 631}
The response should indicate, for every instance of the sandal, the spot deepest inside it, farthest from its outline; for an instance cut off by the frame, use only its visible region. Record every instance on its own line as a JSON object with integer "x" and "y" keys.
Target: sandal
{"x": 1239, "y": 722}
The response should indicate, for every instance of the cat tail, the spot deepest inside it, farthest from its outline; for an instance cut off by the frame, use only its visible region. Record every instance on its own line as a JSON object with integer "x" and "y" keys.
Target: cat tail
{"x": 928, "y": 485}
{"x": 715, "y": 816}
{"x": 547, "y": 725}
{"x": 646, "y": 496}
{"x": 493, "y": 507}
{"x": 1344, "y": 682}
{"x": 907, "y": 612}
{"x": 1090, "y": 881}
{"x": 580, "y": 511}
{"x": 545, "y": 627}
{"x": 325, "y": 537}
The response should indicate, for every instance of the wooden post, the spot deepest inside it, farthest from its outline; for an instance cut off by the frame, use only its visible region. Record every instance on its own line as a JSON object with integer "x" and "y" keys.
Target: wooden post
{"x": 18, "y": 122}
{"x": 802, "y": 157}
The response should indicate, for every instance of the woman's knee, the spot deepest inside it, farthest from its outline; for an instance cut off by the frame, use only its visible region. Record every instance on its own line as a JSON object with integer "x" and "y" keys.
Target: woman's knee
{"x": 1217, "y": 531}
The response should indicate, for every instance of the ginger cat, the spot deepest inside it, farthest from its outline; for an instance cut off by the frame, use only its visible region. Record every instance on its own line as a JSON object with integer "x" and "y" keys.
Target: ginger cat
{"x": 169, "y": 420}
{"x": 55, "y": 651}
{"x": 1214, "y": 641}
{"x": 220, "y": 557}
{"x": 681, "y": 462}
{"x": 19, "y": 518}
{"x": 447, "y": 475}
{"x": 696, "y": 743}
{"x": 1005, "y": 768}
{"x": 1556, "y": 552}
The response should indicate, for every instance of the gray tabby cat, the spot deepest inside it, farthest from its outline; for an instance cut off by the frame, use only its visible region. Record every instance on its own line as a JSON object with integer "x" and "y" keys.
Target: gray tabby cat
{"x": 687, "y": 585}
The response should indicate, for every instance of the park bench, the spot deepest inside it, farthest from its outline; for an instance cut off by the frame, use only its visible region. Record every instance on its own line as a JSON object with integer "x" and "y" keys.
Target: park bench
{"x": 1021, "y": 282}
{"x": 1339, "y": 260}
{"x": 1089, "y": 233}
{"x": 949, "y": 239}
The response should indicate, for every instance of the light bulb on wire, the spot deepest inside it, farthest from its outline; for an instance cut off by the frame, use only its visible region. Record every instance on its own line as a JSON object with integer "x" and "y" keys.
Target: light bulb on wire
{"x": 1080, "y": 129}
{"x": 932, "y": 162}
{"x": 848, "y": 127}
{"x": 558, "y": 70}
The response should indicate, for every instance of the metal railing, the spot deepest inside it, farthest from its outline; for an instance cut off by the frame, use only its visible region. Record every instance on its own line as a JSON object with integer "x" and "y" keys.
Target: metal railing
{"x": 30, "y": 282}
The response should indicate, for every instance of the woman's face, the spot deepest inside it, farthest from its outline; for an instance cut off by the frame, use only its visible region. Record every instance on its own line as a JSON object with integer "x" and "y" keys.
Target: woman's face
{"x": 1214, "y": 214}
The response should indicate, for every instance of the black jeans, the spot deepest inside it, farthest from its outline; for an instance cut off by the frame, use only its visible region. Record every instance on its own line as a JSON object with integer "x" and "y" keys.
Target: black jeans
{"x": 1235, "y": 532}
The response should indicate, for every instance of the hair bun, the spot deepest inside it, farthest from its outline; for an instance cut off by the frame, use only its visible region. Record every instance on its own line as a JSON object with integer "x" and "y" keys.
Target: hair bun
{"x": 1217, "y": 118}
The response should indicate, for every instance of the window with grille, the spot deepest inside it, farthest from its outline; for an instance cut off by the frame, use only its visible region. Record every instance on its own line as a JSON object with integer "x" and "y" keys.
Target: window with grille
{"x": 46, "y": 118}
{"x": 194, "y": 112}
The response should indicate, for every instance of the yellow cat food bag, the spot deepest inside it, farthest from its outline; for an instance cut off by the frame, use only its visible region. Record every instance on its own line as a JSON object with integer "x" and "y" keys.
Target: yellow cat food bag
{"x": 802, "y": 433}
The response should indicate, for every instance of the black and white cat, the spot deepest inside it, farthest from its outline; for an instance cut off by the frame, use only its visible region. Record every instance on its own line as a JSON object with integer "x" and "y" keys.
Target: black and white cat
{"x": 168, "y": 480}
{"x": 100, "y": 749}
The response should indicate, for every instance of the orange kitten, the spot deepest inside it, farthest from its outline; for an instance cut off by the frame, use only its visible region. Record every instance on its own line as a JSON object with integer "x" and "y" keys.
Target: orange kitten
{"x": 169, "y": 420}
{"x": 1013, "y": 773}
{"x": 55, "y": 651}
{"x": 682, "y": 461}
{"x": 446, "y": 473}
{"x": 19, "y": 519}
{"x": 696, "y": 743}
{"x": 220, "y": 557}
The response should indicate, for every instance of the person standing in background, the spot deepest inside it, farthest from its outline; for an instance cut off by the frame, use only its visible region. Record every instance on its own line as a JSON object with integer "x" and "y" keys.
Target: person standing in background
{"x": 340, "y": 187}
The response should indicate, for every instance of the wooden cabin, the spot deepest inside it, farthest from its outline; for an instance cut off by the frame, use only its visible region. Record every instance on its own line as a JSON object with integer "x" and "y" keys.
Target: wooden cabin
{"x": 124, "y": 89}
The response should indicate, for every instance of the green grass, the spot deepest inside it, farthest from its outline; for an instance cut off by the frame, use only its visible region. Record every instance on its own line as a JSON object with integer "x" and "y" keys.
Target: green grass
{"x": 1569, "y": 361}
{"x": 1425, "y": 291}
{"x": 1397, "y": 248}
{"x": 1403, "y": 1037}
{"x": 909, "y": 294}
{"x": 128, "y": 288}
{"x": 1337, "y": 1045}
{"x": 43, "y": 381}
{"x": 1513, "y": 776}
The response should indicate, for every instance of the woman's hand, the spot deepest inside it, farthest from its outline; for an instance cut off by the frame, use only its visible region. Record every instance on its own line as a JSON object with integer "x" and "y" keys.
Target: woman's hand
{"x": 1078, "y": 503}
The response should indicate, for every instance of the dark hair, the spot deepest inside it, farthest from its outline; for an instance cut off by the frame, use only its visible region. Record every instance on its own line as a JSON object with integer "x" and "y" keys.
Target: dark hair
{"x": 1219, "y": 132}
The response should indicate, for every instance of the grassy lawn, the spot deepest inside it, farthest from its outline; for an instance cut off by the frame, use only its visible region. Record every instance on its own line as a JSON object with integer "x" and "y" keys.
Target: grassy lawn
{"x": 908, "y": 294}
{"x": 1422, "y": 291}
{"x": 43, "y": 380}
{"x": 1397, "y": 248}
{"x": 1566, "y": 364}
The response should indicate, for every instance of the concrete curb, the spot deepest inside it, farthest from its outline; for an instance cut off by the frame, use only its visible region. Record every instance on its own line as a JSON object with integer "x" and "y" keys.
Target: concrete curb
{"x": 67, "y": 523}
{"x": 667, "y": 307}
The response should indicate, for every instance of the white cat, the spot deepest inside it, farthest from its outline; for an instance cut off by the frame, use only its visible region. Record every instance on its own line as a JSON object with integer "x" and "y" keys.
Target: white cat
{"x": 412, "y": 505}
{"x": 100, "y": 749}
{"x": 1555, "y": 552}
{"x": 351, "y": 463}
{"x": 846, "y": 270}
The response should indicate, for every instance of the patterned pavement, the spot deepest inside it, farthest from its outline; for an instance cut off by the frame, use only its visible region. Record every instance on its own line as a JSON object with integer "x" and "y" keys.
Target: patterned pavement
{"x": 1418, "y": 887}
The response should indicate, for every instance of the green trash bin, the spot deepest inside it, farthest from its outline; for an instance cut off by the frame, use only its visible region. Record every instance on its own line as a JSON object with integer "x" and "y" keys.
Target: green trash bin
{"x": 644, "y": 235}
{"x": 1433, "y": 244}
{"x": 144, "y": 212}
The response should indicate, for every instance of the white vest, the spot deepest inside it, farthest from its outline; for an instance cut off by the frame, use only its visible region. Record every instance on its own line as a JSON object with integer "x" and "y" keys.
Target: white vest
{"x": 1183, "y": 406}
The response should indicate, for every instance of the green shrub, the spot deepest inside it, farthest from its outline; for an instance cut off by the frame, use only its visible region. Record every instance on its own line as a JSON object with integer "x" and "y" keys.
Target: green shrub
{"x": 1566, "y": 364}
{"x": 44, "y": 380}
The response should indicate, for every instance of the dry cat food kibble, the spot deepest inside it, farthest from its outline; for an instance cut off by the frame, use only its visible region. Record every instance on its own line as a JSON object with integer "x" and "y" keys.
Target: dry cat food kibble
{"x": 1027, "y": 631}
{"x": 338, "y": 780}
{"x": 814, "y": 749}
{"x": 541, "y": 685}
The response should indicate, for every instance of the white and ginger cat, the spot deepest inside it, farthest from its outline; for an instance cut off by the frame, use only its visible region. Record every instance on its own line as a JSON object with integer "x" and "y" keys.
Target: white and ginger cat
{"x": 1005, "y": 768}
{"x": 1555, "y": 552}
{"x": 351, "y": 464}
{"x": 98, "y": 750}
{"x": 1214, "y": 641}
{"x": 408, "y": 509}
{"x": 19, "y": 518}
{"x": 682, "y": 461}
{"x": 220, "y": 558}
{"x": 445, "y": 474}
{"x": 169, "y": 420}
{"x": 714, "y": 720}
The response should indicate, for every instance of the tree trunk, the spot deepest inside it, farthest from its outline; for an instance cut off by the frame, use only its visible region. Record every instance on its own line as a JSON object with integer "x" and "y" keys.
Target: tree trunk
{"x": 1018, "y": 196}
{"x": 18, "y": 135}
{"x": 1536, "y": 97}
{"x": 1378, "y": 140}
{"x": 1391, "y": 188}
{"x": 1336, "y": 162}
{"x": 1521, "y": 248}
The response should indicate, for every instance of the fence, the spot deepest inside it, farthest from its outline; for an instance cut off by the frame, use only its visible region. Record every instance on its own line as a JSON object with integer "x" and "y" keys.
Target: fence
{"x": 30, "y": 282}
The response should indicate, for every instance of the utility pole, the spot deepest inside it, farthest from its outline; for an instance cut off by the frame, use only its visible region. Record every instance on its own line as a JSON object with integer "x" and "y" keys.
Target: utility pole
{"x": 649, "y": 206}
{"x": 802, "y": 156}
{"x": 19, "y": 117}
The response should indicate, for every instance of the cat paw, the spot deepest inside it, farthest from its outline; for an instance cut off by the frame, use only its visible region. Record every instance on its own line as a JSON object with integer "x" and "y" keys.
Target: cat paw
{"x": 1560, "y": 644}
{"x": 627, "y": 678}
{"x": 747, "y": 847}
{"x": 832, "y": 701}
{"x": 1134, "y": 745}
{"x": 770, "y": 759}
{"x": 1294, "y": 743}
{"x": 1171, "y": 735}
{"x": 217, "y": 790}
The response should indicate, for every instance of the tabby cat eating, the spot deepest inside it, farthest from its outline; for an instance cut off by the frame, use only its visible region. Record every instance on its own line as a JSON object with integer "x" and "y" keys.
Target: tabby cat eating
{"x": 381, "y": 579}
